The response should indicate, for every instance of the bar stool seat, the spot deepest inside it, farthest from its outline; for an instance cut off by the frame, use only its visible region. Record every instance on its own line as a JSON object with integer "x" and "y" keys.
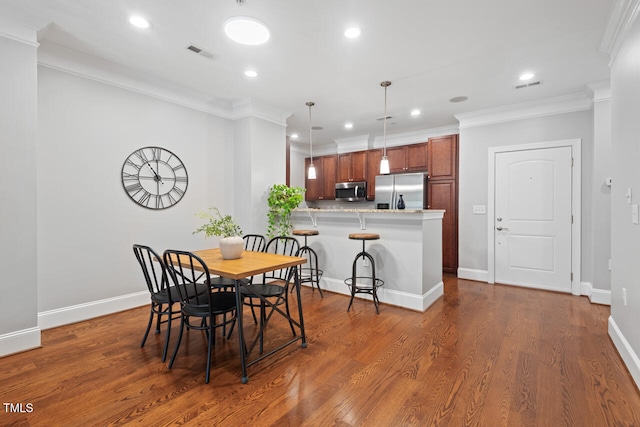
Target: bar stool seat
{"x": 312, "y": 273}
{"x": 364, "y": 284}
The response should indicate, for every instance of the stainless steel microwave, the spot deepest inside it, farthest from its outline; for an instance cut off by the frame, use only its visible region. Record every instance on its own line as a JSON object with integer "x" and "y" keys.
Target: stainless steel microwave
{"x": 351, "y": 191}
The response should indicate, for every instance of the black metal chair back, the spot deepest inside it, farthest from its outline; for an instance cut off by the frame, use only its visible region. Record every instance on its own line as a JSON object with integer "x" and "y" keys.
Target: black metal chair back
{"x": 283, "y": 245}
{"x": 254, "y": 242}
{"x": 153, "y": 268}
{"x": 185, "y": 269}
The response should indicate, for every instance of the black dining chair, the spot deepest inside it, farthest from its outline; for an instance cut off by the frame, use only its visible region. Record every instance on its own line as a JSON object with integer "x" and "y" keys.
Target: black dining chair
{"x": 198, "y": 312}
{"x": 162, "y": 296}
{"x": 273, "y": 285}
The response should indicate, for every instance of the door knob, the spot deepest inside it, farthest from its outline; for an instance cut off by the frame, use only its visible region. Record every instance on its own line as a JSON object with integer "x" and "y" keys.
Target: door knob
{"x": 499, "y": 219}
{"x": 500, "y": 228}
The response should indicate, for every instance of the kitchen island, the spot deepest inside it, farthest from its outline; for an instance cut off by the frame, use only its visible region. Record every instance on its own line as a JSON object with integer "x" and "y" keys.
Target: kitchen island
{"x": 408, "y": 255}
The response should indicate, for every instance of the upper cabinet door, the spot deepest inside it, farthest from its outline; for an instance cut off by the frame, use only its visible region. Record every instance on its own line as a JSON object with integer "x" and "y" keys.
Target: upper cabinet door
{"x": 329, "y": 164}
{"x": 417, "y": 157}
{"x": 373, "y": 169}
{"x": 443, "y": 157}
{"x": 397, "y": 159}
{"x": 352, "y": 166}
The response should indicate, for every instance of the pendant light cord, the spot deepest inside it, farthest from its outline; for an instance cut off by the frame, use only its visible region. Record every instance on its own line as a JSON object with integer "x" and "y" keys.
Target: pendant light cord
{"x": 310, "y": 104}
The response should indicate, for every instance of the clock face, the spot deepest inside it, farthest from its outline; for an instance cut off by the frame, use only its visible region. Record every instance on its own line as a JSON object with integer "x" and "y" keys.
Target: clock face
{"x": 154, "y": 178}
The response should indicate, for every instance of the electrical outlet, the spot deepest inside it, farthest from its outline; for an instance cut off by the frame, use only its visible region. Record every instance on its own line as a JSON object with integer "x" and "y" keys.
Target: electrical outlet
{"x": 624, "y": 296}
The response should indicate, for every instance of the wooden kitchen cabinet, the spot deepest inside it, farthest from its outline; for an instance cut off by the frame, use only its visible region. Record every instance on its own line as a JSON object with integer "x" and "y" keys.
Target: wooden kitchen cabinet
{"x": 324, "y": 186}
{"x": 352, "y": 166}
{"x": 373, "y": 169}
{"x": 443, "y": 157}
{"x": 444, "y": 195}
{"x": 408, "y": 158}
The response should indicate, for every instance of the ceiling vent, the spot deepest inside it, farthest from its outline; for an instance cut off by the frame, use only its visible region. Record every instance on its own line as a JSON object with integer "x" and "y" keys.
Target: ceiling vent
{"x": 382, "y": 118}
{"x": 522, "y": 86}
{"x": 195, "y": 49}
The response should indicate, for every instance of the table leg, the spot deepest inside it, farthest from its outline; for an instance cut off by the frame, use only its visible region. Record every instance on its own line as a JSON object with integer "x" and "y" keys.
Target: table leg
{"x": 297, "y": 285}
{"x": 243, "y": 353}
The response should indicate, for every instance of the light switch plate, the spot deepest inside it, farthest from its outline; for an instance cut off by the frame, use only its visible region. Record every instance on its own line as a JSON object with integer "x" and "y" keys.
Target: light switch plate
{"x": 479, "y": 209}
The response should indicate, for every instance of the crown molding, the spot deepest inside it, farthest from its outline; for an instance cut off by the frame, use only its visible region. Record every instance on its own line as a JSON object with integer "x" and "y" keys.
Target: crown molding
{"x": 526, "y": 110}
{"x": 61, "y": 58}
{"x": 352, "y": 143}
{"x": 599, "y": 91}
{"x": 414, "y": 137}
{"x": 622, "y": 17}
{"x": 20, "y": 31}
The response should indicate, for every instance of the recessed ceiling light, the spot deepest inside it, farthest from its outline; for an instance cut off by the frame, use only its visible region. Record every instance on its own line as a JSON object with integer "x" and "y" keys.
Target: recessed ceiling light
{"x": 139, "y": 21}
{"x": 527, "y": 76}
{"x": 244, "y": 30}
{"x": 250, "y": 73}
{"x": 458, "y": 99}
{"x": 348, "y": 125}
{"x": 352, "y": 33}
{"x": 415, "y": 112}
{"x": 294, "y": 135}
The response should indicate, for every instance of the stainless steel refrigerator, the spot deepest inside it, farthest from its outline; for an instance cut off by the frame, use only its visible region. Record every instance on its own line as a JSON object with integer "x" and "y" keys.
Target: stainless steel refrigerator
{"x": 412, "y": 187}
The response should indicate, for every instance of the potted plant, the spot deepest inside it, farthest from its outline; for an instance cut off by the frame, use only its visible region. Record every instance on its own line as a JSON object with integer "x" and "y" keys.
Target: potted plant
{"x": 231, "y": 243}
{"x": 282, "y": 200}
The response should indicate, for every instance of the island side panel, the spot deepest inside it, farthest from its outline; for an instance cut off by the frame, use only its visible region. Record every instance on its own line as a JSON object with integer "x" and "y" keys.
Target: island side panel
{"x": 406, "y": 259}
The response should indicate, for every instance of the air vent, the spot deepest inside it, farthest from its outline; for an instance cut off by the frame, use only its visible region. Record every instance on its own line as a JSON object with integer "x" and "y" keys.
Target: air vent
{"x": 195, "y": 49}
{"x": 382, "y": 118}
{"x": 522, "y": 86}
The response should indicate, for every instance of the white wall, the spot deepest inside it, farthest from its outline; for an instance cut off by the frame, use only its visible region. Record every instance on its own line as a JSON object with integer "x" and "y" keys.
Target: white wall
{"x": 18, "y": 174}
{"x": 473, "y": 179}
{"x": 625, "y": 236}
{"x": 86, "y": 222}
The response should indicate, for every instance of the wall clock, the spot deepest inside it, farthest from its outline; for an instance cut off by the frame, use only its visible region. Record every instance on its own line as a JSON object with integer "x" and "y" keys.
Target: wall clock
{"x": 154, "y": 177}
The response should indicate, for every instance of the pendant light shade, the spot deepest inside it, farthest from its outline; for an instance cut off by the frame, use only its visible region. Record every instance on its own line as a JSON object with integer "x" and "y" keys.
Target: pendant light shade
{"x": 384, "y": 162}
{"x": 311, "y": 173}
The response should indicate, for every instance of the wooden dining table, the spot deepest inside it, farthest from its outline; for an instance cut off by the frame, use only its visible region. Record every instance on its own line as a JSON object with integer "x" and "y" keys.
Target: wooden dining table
{"x": 252, "y": 264}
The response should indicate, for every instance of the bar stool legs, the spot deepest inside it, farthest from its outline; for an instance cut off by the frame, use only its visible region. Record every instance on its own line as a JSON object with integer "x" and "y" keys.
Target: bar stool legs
{"x": 312, "y": 273}
{"x": 364, "y": 284}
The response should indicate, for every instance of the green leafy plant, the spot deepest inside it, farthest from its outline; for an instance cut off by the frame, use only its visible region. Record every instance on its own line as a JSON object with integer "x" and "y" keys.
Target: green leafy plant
{"x": 218, "y": 225}
{"x": 282, "y": 200}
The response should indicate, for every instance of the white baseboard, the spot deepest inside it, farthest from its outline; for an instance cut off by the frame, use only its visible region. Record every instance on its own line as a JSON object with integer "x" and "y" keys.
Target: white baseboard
{"x": 389, "y": 296}
{"x": 596, "y": 296}
{"x": 471, "y": 274}
{"x": 629, "y": 356}
{"x": 77, "y": 313}
{"x": 15, "y": 342}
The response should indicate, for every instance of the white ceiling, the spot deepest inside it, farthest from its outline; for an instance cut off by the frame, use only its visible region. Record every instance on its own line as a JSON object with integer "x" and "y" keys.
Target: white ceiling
{"x": 431, "y": 51}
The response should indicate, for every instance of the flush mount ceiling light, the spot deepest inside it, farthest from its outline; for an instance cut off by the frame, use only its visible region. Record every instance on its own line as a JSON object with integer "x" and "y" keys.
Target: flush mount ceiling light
{"x": 250, "y": 74}
{"x": 415, "y": 112}
{"x": 353, "y": 32}
{"x": 526, "y": 76}
{"x": 348, "y": 125}
{"x": 139, "y": 21}
{"x": 245, "y": 30}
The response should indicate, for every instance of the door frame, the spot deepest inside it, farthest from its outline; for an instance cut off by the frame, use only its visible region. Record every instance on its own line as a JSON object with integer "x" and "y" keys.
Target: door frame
{"x": 576, "y": 198}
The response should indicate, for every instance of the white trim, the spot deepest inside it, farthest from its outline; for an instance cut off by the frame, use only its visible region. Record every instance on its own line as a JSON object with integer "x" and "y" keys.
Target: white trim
{"x": 472, "y": 274}
{"x": 545, "y": 107}
{"x": 629, "y": 357}
{"x": 621, "y": 19}
{"x": 77, "y": 313}
{"x": 17, "y": 341}
{"x": 415, "y": 137}
{"x": 596, "y": 296}
{"x": 21, "y": 32}
{"x": 576, "y": 200}
{"x": 389, "y": 296}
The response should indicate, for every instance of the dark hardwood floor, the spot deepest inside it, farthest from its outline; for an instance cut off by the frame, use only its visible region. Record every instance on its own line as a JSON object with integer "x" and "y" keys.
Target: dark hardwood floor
{"x": 483, "y": 355}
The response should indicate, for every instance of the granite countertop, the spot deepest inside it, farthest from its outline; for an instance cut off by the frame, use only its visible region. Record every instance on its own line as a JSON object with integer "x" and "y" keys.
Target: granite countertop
{"x": 382, "y": 211}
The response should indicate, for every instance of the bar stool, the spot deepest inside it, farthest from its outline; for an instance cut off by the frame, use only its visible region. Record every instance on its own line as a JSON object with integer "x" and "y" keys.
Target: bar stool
{"x": 311, "y": 274}
{"x": 364, "y": 284}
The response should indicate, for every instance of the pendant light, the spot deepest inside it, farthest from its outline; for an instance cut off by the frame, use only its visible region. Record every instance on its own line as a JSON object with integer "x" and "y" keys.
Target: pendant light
{"x": 311, "y": 173}
{"x": 384, "y": 162}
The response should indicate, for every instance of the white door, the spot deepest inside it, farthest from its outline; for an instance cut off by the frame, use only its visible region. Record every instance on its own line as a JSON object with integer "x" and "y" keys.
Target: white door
{"x": 532, "y": 223}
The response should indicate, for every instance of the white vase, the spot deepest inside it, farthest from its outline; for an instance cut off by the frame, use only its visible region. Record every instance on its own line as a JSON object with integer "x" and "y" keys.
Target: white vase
{"x": 231, "y": 247}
